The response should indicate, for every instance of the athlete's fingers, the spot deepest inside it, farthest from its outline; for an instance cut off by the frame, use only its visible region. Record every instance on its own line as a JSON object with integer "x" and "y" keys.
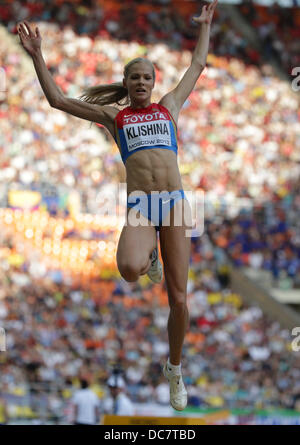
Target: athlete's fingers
{"x": 28, "y": 28}
{"x": 214, "y": 4}
{"x": 23, "y": 30}
{"x": 211, "y": 5}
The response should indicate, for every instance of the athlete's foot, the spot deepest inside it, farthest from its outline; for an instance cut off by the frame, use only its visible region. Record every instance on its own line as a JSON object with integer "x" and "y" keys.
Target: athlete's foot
{"x": 178, "y": 394}
{"x": 155, "y": 273}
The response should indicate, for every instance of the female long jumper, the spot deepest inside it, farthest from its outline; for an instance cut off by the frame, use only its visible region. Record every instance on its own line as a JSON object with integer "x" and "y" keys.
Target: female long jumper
{"x": 146, "y": 134}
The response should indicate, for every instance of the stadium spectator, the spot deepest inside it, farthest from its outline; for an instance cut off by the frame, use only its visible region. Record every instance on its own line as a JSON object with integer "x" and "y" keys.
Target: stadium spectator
{"x": 86, "y": 405}
{"x": 118, "y": 402}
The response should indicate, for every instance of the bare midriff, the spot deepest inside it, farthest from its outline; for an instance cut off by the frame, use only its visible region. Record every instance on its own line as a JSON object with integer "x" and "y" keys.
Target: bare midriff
{"x": 152, "y": 170}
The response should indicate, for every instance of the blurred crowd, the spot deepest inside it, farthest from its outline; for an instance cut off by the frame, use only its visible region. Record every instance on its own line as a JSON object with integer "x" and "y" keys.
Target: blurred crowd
{"x": 170, "y": 21}
{"x": 239, "y": 142}
{"x": 268, "y": 237}
{"x": 278, "y": 29}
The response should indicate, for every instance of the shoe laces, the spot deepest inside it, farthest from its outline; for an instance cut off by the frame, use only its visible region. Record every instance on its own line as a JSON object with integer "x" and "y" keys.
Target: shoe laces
{"x": 176, "y": 382}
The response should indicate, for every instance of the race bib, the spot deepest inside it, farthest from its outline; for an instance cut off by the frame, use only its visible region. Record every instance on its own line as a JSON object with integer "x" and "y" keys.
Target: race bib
{"x": 147, "y": 134}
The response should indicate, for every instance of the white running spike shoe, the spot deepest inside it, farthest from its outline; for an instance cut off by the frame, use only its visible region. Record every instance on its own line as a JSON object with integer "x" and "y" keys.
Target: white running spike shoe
{"x": 155, "y": 273}
{"x": 178, "y": 393}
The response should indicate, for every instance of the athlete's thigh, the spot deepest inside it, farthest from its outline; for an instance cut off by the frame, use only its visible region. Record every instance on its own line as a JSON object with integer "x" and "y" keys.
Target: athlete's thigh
{"x": 136, "y": 244}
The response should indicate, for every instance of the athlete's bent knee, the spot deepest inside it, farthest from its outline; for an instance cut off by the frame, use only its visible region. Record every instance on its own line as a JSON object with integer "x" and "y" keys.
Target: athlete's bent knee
{"x": 129, "y": 272}
{"x": 129, "y": 275}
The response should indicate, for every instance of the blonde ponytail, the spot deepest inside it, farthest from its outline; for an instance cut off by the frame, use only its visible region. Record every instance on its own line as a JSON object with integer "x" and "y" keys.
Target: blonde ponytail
{"x": 113, "y": 93}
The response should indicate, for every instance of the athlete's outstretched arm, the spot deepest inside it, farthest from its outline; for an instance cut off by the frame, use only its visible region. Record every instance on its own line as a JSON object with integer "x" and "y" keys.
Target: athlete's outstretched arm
{"x": 32, "y": 44}
{"x": 176, "y": 98}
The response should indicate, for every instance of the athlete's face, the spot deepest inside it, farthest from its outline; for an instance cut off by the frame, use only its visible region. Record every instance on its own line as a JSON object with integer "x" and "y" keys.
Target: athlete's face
{"x": 139, "y": 82}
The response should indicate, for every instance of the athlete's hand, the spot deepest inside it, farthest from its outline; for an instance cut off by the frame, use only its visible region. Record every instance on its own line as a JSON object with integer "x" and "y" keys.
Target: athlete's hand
{"x": 30, "y": 41}
{"x": 206, "y": 14}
